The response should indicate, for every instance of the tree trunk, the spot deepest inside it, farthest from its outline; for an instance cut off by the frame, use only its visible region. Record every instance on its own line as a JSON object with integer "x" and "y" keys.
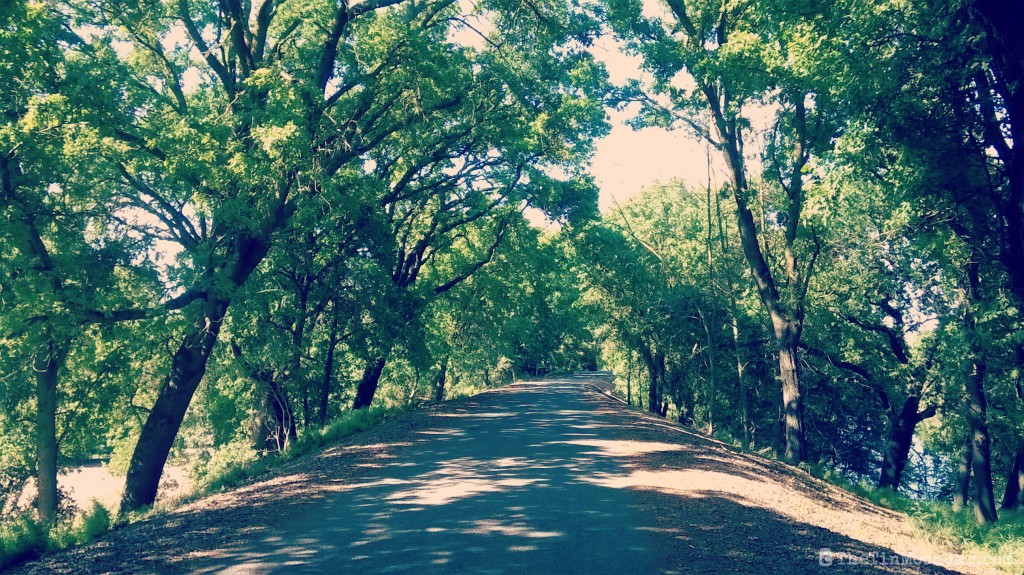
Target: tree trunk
{"x": 653, "y": 370}
{"x": 901, "y": 437}
{"x": 281, "y": 410}
{"x": 188, "y": 365}
{"x": 261, "y": 425}
{"x": 1004, "y": 44}
{"x": 963, "y": 476}
{"x": 792, "y": 404}
{"x": 48, "y": 363}
{"x": 742, "y": 381}
{"x": 368, "y": 385}
{"x": 977, "y": 405}
{"x": 984, "y": 499}
{"x": 629, "y": 378}
{"x": 786, "y": 314}
{"x": 1015, "y": 481}
{"x": 440, "y": 380}
{"x": 712, "y": 390}
{"x": 325, "y": 384}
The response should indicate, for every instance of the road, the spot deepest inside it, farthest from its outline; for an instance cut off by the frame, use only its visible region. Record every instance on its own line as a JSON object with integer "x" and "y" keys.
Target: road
{"x": 504, "y": 487}
{"x": 547, "y": 477}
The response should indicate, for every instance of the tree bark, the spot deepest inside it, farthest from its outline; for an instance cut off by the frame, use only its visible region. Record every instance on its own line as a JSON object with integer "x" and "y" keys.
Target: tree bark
{"x": 984, "y": 499}
{"x": 188, "y": 365}
{"x": 281, "y": 410}
{"x": 901, "y": 437}
{"x": 977, "y": 405}
{"x": 712, "y": 390}
{"x": 294, "y": 373}
{"x": 741, "y": 380}
{"x": 786, "y": 317}
{"x": 653, "y": 370}
{"x": 48, "y": 362}
{"x": 368, "y": 384}
{"x": 963, "y": 475}
{"x": 629, "y": 378}
{"x": 440, "y": 380}
{"x": 1004, "y": 44}
{"x": 325, "y": 384}
{"x": 792, "y": 404}
{"x": 1015, "y": 481}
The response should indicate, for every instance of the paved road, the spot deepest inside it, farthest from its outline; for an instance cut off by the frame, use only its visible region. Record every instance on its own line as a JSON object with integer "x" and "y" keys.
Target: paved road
{"x": 504, "y": 487}
{"x": 545, "y": 478}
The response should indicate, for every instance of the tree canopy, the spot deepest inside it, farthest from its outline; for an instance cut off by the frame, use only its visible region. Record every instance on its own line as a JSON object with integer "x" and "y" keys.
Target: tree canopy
{"x": 226, "y": 223}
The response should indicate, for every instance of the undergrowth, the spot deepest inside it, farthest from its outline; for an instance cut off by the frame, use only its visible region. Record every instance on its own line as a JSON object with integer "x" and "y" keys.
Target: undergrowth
{"x": 237, "y": 472}
{"x": 24, "y": 538}
{"x": 1000, "y": 545}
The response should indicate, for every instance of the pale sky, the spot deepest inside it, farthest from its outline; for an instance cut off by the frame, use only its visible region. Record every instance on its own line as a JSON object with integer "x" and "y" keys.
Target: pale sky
{"x": 627, "y": 160}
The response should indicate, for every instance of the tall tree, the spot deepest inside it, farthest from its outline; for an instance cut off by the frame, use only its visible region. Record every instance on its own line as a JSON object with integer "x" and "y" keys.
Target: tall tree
{"x": 730, "y": 58}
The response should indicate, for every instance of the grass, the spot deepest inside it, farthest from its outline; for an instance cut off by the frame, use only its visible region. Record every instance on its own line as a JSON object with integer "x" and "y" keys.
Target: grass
{"x": 310, "y": 441}
{"x": 1000, "y": 545}
{"x": 24, "y": 538}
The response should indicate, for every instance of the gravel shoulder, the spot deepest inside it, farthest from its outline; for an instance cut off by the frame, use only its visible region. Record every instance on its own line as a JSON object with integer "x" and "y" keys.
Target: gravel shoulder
{"x": 537, "y": 477}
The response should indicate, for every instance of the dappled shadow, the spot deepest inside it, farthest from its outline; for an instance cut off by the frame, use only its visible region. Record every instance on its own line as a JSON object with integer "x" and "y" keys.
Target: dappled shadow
{"x": 542, "y": 477}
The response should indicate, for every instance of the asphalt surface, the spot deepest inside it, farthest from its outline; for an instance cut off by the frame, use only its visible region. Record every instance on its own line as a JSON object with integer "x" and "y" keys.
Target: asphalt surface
{"x": 505, "y": 487}
{"x": 548, "y": 478}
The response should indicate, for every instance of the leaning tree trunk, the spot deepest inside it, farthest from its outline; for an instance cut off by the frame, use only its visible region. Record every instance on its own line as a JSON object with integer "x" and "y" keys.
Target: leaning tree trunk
{"x": 901, "y": 437}
{"x": 368, "y": 384}
{"x": 188, "y": 365}
{"x": 48, "y": 362}
{"x": 1015, "y": 481}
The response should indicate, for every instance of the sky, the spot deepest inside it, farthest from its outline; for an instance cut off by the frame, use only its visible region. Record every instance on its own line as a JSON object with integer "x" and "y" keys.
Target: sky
{"x": 627, "y": 160}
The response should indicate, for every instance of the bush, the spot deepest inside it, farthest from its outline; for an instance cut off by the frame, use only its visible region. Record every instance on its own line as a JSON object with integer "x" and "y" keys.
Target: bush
{"x": 89, "y": 526}
{"x": 24, "y": 538}
{"x": 21, "y": 539}
{"x": 222, "y": 461}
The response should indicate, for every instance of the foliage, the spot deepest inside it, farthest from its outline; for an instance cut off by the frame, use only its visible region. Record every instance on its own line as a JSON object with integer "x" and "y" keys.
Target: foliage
{"x": 1000, "y": 545}
{"x": 24, "y": 538}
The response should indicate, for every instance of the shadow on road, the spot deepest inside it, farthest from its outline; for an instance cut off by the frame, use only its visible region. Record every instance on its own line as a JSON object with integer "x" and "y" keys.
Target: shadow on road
{"x": 541, "y": 477}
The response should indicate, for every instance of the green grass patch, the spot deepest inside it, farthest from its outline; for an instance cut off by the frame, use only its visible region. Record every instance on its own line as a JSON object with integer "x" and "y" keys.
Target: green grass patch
{"x": 1000, "y": 545}
{"x": 24, "y": 538}
{"x": 234, "y": 465}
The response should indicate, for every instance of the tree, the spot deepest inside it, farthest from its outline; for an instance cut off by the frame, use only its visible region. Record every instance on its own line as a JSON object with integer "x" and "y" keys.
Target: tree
{"x": 226, "y": 129}
{"x": 736, "y": 56}
{"x": 72, "y": 266}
